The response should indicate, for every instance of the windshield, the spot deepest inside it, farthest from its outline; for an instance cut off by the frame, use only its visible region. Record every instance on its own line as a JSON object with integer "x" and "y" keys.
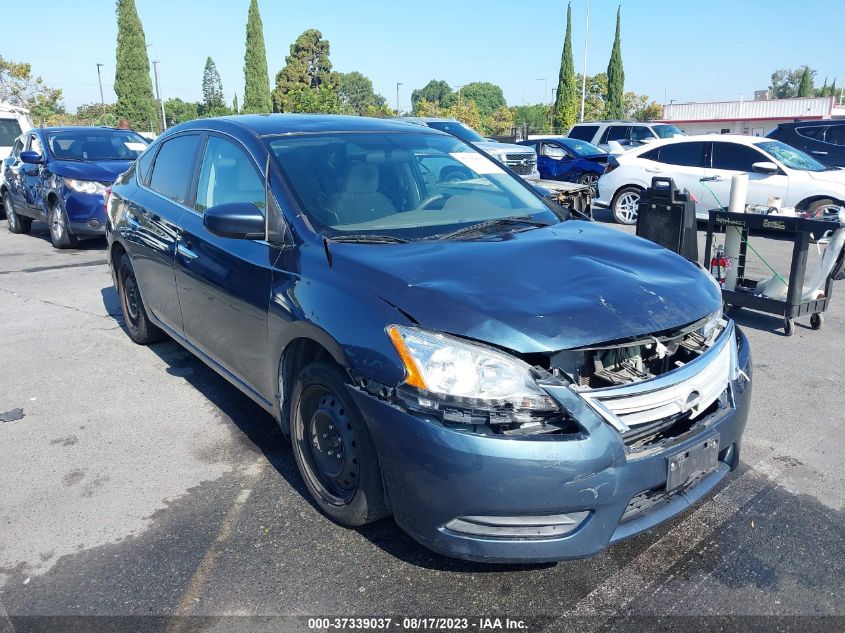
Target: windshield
{"x": 105, "y": 144}
{"x": 667, "y": 131}
{"x": 583, "y": 148}
{"x": 791, "y": 157}
{"x": 456, "y": 128}
{"x": 402, "y": 185}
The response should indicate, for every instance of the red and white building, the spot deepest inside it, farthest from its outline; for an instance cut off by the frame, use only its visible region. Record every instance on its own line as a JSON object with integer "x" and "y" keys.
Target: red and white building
{"x": 756, "y": 117}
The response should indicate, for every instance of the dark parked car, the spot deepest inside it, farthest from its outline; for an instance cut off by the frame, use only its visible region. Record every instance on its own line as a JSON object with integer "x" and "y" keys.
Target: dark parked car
{"x": 59, "y": 175}
{"x": 569, "y": 159}
{"x": 510, "y": 383}
{"x": 823, "y": 140}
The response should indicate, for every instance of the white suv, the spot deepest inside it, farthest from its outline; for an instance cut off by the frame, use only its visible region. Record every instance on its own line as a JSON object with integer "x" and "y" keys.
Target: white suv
{"x": 627, "y": 133}
{"x": 703, "y": 165}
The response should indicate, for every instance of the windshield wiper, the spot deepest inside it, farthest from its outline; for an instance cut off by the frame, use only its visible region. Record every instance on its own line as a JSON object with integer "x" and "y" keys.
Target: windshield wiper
{"x": 493, "y": 223}
{"x": 364, "y": 238}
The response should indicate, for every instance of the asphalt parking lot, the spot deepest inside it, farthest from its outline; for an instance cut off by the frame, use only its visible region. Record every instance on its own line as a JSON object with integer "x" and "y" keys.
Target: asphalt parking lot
{"x": 136, "y": 482}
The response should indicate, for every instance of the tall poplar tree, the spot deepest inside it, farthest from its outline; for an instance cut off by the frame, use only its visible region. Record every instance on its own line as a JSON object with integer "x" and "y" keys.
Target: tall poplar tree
{"x": 132, "y": 82}
{"x": 805, "y": 88}
{"x": 566, "y": 103}
{"x": 614, "y": 102}
{"x": 256, "y": 77}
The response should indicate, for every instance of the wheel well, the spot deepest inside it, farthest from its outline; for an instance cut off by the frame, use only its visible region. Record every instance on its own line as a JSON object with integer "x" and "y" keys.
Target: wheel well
{"x": 51, "y": 198}
{"x": 806, "y": 202}
{"x": 297, "y": 354}
{"x": 116, "y": 251}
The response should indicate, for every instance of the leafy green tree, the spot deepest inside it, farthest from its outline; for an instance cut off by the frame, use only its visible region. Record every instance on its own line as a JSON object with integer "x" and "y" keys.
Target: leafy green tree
{"x": 256, "y": 77}
{"x": 178, "y": 111}
{"x": 502, "y": 122}
{"x": 805, "y": 86}
{"x": 435, "y": 91}
{"x": 488, "y": 97}
{"x": 95, "y": 114}
{"x": 566, "y": 104}
{"x": 323, "y": 99}
{"x": 614, "y": 106}
{"x": 308, "y": 66}
{"x": 212, "y": 88}
{"x": 534, "y": 117}
{"x": 19, "y": 87}
{"x": 356, "y": 92}
{"x": 786, "y": 83}
{"x": 466, "y": 111}
{"x": 641, "y": 107}
{"x": 132, "y": 82}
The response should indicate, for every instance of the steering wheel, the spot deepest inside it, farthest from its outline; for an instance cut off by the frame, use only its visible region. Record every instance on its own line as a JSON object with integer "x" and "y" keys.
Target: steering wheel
{"x": 428, "y": 200}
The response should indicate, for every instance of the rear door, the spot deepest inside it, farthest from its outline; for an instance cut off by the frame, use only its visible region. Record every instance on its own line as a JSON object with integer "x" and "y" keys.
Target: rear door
{"x": 33, "y": 178}
{"x": 12, "y": 172}
{"x": 684, "y": 162}
{"x": 224, "y": 283}
{"x": 152, "y": 225}
{"x": 555, "y": 161}
{"x": 833, "y": 146}
{"x": 729, "y": 159}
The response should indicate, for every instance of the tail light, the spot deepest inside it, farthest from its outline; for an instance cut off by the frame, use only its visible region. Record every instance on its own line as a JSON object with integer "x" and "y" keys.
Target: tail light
{"x": 612, "y": 164}
{"x": 106, "y": 200}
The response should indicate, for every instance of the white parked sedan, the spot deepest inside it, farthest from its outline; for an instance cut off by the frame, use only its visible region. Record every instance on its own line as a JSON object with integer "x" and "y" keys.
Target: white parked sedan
{"x": 703, "y": 165}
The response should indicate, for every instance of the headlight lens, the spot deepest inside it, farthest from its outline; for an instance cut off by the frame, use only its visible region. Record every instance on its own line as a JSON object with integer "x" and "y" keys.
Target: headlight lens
{"x": 85, "y": 186}
{"x": 446, "y": 369}
{"x": 712, "y": 326}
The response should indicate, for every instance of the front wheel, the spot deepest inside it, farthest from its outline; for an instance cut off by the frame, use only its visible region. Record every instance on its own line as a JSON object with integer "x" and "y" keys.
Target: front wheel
{"x": 60, "y": 235}
{"x": 17, "y": 224}
{"x": 824, "y": 208}
{"x": 333, "y": 449}
{"x": 625, "y": 204}
{"x": 138, "y": 325}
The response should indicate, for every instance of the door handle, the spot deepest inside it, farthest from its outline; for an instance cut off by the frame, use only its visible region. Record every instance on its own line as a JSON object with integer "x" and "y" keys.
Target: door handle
{"x": 186, "y": 250}
{"x": 652, "y": 170}
{"x": 819, "y": 152}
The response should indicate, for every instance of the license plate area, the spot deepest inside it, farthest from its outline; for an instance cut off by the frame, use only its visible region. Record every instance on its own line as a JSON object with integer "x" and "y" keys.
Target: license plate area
{"x": 692, "y": 462}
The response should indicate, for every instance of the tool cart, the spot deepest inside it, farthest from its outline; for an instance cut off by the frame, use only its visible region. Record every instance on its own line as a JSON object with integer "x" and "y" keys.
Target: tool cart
{"x": 801, "y": 231}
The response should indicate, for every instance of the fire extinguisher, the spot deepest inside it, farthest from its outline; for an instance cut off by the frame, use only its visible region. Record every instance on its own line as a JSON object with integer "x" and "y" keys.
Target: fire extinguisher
{"x": 719, "y": 265}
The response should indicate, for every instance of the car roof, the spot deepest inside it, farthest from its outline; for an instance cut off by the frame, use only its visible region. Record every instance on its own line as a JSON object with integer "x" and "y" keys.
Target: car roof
{"x": 276, "y": 124}
{"x": 793, "y": 124}
{"x": 623, "y": 122}
{"x": 735, "y": 138}
{"x": 77, "y": 128}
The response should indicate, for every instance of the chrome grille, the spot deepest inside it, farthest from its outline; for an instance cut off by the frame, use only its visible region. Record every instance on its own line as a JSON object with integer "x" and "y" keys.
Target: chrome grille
{"x": 522, "y": 164}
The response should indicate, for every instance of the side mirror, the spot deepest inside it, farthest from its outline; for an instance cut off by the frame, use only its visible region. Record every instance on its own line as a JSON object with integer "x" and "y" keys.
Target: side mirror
{"x": 765, "y": 167}
{"x": 238, "y": 220}
{"x": 33, "y": 158}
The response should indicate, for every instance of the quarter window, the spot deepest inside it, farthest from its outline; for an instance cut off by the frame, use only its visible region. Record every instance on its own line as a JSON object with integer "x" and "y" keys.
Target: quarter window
{"x": 684, "y": 154}
{"x": 144, "y": 163}
{"x": 227, "y": 175}
{"x": 835, "y": 135}
{"x": 735, "y": 157}
{"x": 815, "y": 132}
{"x": 18, "y": 148}
{"x": 616, "y": 133}
{"x": 174, "y": 166}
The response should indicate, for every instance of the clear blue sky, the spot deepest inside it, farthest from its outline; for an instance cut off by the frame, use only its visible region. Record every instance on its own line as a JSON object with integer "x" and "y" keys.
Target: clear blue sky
{"x": 686, "y": 50}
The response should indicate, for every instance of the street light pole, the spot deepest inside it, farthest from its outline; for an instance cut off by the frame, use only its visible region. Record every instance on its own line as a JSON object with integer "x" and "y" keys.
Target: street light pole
{"x": 584, "y": 75}
{"x": 398, "y": 83}
{"x": 158, "y": 96}
{"x": 100, "y": 81}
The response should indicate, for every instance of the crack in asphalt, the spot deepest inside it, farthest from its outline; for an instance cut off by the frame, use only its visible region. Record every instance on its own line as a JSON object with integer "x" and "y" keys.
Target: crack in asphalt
{"x": 40, "y": 269}
{"x": 56, "y": 304}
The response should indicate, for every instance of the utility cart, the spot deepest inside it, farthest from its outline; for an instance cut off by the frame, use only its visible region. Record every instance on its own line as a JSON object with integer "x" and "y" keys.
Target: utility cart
{"x": 801, "y": 231}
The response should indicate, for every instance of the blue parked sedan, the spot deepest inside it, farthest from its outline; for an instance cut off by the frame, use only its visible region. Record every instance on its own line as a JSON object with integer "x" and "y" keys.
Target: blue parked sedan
{"x": 59, "y": 175}
{"x": 568, "y": 159}
{"x": 509, "y": 382}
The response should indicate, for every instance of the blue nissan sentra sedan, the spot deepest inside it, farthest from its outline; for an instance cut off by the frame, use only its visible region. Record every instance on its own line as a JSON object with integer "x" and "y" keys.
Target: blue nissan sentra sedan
{"x": 510, "y": 382}
{"x": 59, "y": 175}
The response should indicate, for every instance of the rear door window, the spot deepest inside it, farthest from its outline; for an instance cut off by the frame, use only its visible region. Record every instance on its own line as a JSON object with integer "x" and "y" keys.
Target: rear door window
{"x": 735, "y": 157}
{"x": 641, "y": 132}
{"x": 685, "y": 154}
{"x": 174, "y": 167}
{"x": 616, "y": 133}
{"x": 584, "y": 132}
{"x": 835, "y": 135}
{"x": 815, "y": 132}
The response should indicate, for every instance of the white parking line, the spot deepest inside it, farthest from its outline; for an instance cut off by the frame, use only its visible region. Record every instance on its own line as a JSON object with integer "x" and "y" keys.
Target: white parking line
{"x": 623, "y": 587}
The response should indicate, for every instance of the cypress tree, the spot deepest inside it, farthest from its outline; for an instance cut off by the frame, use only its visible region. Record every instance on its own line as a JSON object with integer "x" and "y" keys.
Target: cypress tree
{"x": 235, "y": 104}
{"x": 823, "y": 91}
{"x": 256, "y": 77}
{"x": 566, "y": 104}
{"x": 613, "y": 108}
{"x": 832, "y": 90}
{"x": 132, "y": 82}
{"x": 805, "y": 88}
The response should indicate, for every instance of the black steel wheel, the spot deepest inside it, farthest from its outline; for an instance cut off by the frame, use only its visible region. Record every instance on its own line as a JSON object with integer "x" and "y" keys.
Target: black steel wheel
{"x": 816, "y": 320}
{"x": 138, "y": 324}
{"x": 333, "y": 449}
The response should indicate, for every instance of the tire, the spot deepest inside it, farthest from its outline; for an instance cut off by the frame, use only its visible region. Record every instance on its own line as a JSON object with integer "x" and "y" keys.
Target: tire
{"x": 138, "y": 324}
{"x": 60, "y": 235}
{"x": 623, "y": 201}
{"x": 816, "y": 320}
{"x": 17, "y": 224}
{"x": 592, "y": 181}
{"x": 823, "y": 207}
{"x": 333, "y": 449}
{"x": 788, "y": 327}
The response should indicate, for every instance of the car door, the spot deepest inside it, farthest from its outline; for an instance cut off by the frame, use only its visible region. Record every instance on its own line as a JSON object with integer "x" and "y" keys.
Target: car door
{"x": 729, "y": 158}
{"x": 684, "y": 162}
{"x": 832, "y": 151}
{"x": 224, "y": 283}
{"x": 12, "y": 172}
{"x": 152, "y": 225}
{"x": 555, "y": 161}
{"x": 619, "y": 133}
{"x": 33, "y": 179}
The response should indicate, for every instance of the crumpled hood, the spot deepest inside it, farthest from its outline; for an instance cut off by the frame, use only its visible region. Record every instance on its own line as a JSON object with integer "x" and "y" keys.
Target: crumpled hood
{"x": 570, "y": 285}
{"x": 503, "y": 148}
{"x": 102, "y": 171}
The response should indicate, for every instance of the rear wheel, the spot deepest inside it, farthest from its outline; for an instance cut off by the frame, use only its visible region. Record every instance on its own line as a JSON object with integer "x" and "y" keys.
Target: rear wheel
{"x": 592, "y": 181}
{"x": 60, "y": 235}
{"x": 17, "y": 223}
{"x": 625, "y": 204}
{"x": 333, "y": 449}
{"x": 138, "y": 324}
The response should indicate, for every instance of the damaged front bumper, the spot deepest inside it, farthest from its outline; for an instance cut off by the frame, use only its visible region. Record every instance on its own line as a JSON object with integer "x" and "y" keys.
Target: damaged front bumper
{"x": 544, "y": 498}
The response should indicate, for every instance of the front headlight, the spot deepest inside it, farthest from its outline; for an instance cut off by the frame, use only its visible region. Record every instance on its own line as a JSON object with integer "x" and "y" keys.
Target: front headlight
{"x": 85, "y": 186}
{"x": 448, "y": 372}
{"x": 712, "y": 326}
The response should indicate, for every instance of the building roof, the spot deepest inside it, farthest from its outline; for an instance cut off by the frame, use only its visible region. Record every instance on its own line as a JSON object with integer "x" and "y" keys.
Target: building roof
{"x": 767, "y": 110}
